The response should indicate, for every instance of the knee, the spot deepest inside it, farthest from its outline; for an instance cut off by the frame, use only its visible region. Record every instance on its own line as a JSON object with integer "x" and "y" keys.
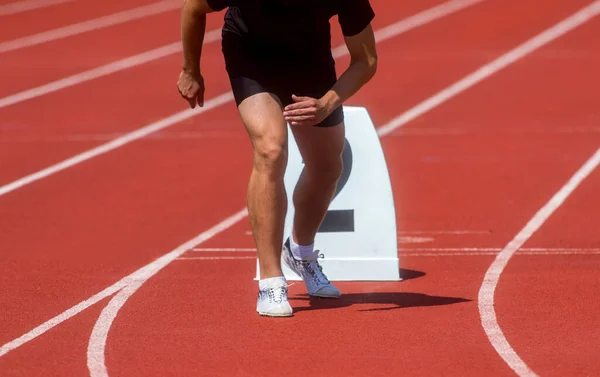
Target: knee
{"x": 270, "y": 157}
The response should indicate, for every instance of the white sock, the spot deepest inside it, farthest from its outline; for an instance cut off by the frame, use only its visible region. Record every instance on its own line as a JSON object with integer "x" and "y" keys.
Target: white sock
{"x": 299, "y": 251}
{"x": 269, "y": 282}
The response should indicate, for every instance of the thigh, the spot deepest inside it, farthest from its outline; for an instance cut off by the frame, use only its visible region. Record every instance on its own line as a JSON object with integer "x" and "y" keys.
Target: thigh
{"x": 320, "y": 147}
{"x": 262, "y": 115}
{"x": 259, "y": 105}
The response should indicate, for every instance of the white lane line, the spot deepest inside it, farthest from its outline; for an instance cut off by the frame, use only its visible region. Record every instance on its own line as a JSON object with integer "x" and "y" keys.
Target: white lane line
{"x": 90, "y": 25}
{"x": 581, "y": 250}
{"x": 97, "y": 343}
{"x": 450, "y": 254}
{"x": 127, "y": 282}
{"x": 225, "y": 249}
{"x": 216, "y": 258}
{"x": 426, "y": 251}
{"x": 454, "y": 232}
{"x": 51, "y": 323}
{"x": 498, "y": 64}
{"x": 450, "y": 249}
{"x": 415, "y": 21}
{"x": 173, "y": 119}
{"x": 25, "y": 5}
{"x": 104, "y": 70}
{"x": 559, "y": 252}
{"x": 381, "y": 35}
{"x": 77, "y": 138}
{"x": 480, "y": 253}
{"x": 492, "y": 276}
{"x": 117, "y": 143}
{"x": 574, "y": 250}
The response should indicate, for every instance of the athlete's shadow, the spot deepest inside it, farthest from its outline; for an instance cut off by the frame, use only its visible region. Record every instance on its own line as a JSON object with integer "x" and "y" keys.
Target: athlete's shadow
{"x": 386, "y": 300}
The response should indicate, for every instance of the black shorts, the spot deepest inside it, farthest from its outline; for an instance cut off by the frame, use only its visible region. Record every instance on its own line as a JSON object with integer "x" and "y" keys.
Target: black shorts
{"x": 254, "y": 68}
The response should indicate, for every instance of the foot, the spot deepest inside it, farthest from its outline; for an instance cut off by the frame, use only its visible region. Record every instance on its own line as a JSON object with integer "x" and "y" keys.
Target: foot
{"x": 311, "y": 272}
{"x": 273, "y": 300}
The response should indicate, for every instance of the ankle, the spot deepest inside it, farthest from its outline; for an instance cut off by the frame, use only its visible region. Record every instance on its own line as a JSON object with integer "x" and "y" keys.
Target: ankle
{"x": 270, "y": 273}
{"x": 301, "y": 251}
{"x": 272, "y": 281}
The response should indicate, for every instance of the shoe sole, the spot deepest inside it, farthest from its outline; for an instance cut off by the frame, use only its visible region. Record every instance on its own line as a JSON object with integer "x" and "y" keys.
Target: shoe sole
{"x": 324, "y": 296}
{"x": 275, "y": 315}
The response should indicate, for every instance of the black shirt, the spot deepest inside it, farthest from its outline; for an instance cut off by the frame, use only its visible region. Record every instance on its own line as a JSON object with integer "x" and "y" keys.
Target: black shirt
{"x": 295, "y": 26}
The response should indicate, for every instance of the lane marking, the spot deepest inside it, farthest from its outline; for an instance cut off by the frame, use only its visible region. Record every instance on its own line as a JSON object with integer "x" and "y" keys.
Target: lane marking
{"x": 128, "y": 281}
{"x": 437, "y": 254}
{"x": 53, "y": 322}
{"x": 26, "y": 5}
{"x": 558, "y": 252}
{"x": 450, "y": 8}
{"x": 117, "y": 143}
{"x": 574, "y": 250}
{"x": 428, "y": 251}
{"x": 97, "y": 343}
{"x": 415, "y": 21}
{"x": 457, "y": 232}
{"x": 104, "y": 70}
{"x": 77, "y": 138}
{"x": 224, "y": 98}
{"x": 381, "y": 35}
{"x": 449, "y": 249}
{"x": 217, "y": 258}
{"x": 225, "y": 249}
{"x": 487, "y": 312}
{"x": 254, "y": 258}
{"x": 413, "y": 239}
{"x": 481, "y": 253}
{"x": 491, "y": 68}
{"x": 89, "y": 25}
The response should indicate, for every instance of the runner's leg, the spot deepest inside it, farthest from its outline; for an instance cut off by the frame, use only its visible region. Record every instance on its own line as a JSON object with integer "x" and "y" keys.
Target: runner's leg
{"x": 266, "y": 197}
{"x": 321, "y": 149}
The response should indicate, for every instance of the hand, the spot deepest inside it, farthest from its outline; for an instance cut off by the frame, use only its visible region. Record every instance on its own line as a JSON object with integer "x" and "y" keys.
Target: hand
{"x": 306, "y": 111}
{"x": 191, "y": 87}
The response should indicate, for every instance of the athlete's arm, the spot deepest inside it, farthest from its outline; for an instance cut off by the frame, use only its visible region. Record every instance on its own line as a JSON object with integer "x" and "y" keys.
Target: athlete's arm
{"x": 193, "y": 27}
{"x": 363, "y": 65}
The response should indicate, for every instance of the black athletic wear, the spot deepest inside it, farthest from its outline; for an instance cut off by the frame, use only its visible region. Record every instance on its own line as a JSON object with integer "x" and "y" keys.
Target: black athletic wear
{"x": 284, "y": 46}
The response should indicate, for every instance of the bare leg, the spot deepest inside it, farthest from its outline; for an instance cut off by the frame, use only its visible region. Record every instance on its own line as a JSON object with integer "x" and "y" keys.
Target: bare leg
{"x": 267, "y": 200}
{"x": 321, "y": 149}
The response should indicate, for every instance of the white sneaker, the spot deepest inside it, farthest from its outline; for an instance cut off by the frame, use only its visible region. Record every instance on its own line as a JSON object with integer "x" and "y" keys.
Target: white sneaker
{"x": 273, "y": 300}
{"x": 311, "y": 272}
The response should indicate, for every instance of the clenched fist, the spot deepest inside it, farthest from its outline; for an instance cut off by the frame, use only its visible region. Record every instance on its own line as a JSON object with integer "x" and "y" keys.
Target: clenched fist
{"x": 191, "y": 87}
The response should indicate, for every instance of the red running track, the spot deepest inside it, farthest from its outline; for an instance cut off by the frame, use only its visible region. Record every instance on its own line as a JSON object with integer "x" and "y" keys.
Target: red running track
{"x": 483, "y": 163}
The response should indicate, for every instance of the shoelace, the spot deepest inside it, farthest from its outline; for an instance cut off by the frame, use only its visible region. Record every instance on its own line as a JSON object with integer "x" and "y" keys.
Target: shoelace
{"x": 277, "y": 295}
{"x": 312, "y": 265}
{"x": 318, "y": 277}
